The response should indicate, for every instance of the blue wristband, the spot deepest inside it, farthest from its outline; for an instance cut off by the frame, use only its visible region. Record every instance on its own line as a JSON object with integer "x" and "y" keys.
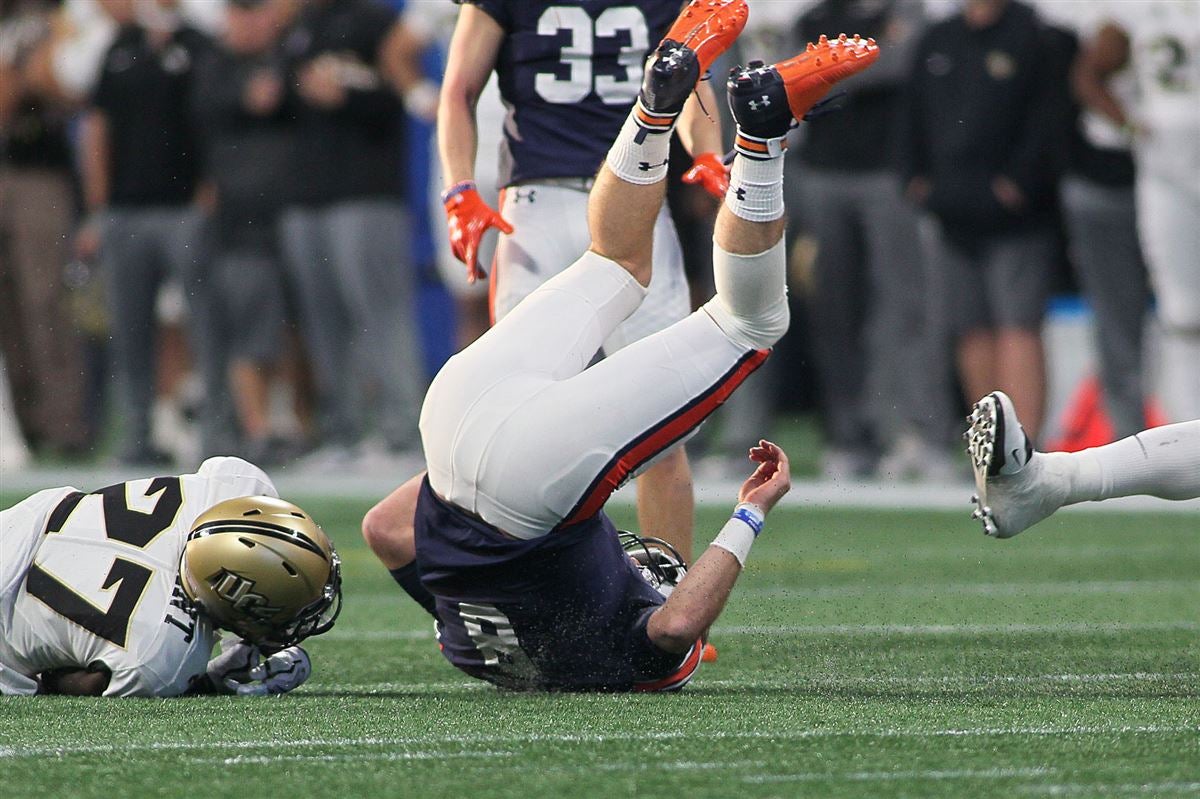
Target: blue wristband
{"x": 752, "y": 521}
{"x": 457, "y": 189}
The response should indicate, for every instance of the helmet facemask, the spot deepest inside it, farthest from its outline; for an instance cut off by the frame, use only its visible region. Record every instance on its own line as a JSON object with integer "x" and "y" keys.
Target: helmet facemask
{"x": 660, "y": 563}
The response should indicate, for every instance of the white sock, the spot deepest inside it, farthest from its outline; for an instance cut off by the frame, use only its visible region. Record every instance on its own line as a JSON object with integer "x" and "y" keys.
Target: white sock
{"x": 756, "y": 180}
{"x": 643, "y": 147}
{"x": 1161, "y": 462}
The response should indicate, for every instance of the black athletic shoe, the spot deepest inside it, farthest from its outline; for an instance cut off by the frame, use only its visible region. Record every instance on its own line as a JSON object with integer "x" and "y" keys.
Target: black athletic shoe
{"x": 758, "y": 100}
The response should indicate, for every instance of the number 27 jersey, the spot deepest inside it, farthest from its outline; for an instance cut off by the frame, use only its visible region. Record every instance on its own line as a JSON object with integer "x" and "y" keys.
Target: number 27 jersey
{"x": 101, "y": 583}
{"x": 568, "y": 73}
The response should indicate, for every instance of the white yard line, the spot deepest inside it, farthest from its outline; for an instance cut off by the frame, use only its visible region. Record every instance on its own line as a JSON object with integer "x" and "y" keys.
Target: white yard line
{"x": 718, "y": 493}
{"x": 268, "y": 745}
{"x": 882, "y": 776}
{"x": 1102, "y": 789}
{"x": 881, "y": 681}
{"x": 1097, "y": 628}
{"x": 1091, "y": 628}
{"x": 258, "y": 760}
{"x": 1056, "y": 587}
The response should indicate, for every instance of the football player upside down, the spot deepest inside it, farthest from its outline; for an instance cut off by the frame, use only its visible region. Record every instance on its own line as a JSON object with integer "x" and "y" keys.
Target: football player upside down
{"x": 504, "y": 539}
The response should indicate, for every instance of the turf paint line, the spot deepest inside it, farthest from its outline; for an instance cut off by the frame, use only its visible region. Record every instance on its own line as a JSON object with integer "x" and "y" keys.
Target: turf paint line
{"x": 951, "y": 680}
{"x": 880, "y": 776}
{"x": 258, "y": 760}
{"x": 1102, "y": 789}
{"x": 1096, "y": 628}
{"x": 702, "y": 682}
{"x": 376, "y": 635}
{"x": 978, "y": 589}
{"x": 1073, "y": 552}
{"x": 12, "y": 752}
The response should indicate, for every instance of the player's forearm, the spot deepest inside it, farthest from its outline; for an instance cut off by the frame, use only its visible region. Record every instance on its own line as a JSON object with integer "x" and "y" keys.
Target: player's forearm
{"x": 696, "y": 602}
{"x": 699, "y": 126}
{"x": 457, "y": 136}
{"x": 472, "y": 58}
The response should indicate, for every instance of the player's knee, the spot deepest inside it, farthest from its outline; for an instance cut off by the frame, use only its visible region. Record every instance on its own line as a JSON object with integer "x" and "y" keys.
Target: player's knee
{"x": 760, "y": 330}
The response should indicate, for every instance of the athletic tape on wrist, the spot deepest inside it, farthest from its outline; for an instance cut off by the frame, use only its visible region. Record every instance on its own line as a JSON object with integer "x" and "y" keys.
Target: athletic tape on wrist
{"x": 457, "y": 189}
{"x": 739, "y": 533}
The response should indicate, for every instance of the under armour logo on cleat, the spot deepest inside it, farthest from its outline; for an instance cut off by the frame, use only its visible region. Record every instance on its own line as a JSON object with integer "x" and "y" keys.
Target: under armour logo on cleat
{"x": 646, "y": 166}
{"x": 755, "y": 104}
{"x": 740, "y": 193}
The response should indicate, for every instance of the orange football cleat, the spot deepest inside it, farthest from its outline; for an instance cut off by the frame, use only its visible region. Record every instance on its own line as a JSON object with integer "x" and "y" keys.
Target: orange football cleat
{"x": 704, "y": 30}
{"x": 810, "y": 75}
{"x": 708, "y": 28}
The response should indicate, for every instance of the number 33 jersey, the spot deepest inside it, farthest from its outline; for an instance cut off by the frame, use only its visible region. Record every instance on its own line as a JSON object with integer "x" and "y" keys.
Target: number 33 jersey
{"x": 568, "y": 74}
{"x": 93, "y": 579}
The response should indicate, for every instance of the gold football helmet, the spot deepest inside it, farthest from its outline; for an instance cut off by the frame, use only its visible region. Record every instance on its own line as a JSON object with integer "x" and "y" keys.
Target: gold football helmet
{"x": 260, "y": 567}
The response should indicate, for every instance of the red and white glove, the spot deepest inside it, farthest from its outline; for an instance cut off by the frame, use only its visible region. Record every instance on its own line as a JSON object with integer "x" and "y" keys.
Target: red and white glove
{"x": 468, "y": 218}
{"x": 709, "y": 171}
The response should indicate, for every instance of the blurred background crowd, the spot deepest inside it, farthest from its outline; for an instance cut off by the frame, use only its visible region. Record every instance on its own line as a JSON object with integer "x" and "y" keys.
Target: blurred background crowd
{"x": 219, "y": 232}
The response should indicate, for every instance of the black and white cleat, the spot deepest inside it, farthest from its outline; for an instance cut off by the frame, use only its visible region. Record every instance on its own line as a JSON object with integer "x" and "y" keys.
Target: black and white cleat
{"x": 999, "y": 449}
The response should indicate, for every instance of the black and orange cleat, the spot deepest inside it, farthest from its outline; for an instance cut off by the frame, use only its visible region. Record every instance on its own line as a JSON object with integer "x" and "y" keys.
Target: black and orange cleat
{"x": 766, "y": 98}
{"x": 703, "y": 30}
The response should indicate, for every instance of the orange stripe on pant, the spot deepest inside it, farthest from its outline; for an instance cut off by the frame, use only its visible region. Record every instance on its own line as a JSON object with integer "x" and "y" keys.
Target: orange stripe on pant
{"x": 661, "y": 436}
{"x": 492, "y": 277}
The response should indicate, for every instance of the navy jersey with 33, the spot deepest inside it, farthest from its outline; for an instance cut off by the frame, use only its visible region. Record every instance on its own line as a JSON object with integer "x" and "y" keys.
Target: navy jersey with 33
{"x": 568, "y": 74}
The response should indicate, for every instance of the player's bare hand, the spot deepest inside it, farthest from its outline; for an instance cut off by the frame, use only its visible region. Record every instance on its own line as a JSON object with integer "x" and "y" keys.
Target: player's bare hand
{"x": 468, "y": 217}
{"x": 710, "y": 173}
{"x": 771, "y": 480}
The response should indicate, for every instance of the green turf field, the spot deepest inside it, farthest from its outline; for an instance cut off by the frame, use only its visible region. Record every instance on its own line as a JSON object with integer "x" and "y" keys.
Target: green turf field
{"x": 863, "y": 653}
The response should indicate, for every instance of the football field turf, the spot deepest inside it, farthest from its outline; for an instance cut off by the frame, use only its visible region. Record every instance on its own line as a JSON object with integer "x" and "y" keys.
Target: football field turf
{"x": 863, "y": 653}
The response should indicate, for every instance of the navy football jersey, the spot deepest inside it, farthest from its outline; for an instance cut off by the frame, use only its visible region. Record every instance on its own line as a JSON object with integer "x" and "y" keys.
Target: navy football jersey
{"x": 566, "y": 611}
{"x": 568, "y": 74}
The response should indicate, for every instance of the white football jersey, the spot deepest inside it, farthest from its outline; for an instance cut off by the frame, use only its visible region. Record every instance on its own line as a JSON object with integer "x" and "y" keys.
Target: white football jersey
{"x": 1164, "y": 37}
{"x": 92, "y": 578}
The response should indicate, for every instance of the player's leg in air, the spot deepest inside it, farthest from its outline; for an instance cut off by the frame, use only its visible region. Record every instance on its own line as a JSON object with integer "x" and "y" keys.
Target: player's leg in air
{"x": 1017, "y": 487}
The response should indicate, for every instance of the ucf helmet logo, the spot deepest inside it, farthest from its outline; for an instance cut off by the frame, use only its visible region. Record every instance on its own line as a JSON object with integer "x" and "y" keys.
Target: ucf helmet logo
{"x": 239, "y": 592}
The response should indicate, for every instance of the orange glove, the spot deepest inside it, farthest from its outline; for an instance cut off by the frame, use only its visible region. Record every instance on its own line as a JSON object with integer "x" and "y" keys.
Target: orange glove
{"x": 710, "y": 173}
{"x": 468, "y": 218}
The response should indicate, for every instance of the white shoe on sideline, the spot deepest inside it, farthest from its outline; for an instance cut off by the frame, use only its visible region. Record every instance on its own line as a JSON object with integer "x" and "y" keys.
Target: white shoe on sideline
{"x": 1014, "y": 489}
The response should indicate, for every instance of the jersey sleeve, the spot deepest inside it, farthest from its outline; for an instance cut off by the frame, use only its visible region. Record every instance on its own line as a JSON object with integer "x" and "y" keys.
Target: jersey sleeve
{"x": 656, "y": 669}
{"x": 496, "y": 9}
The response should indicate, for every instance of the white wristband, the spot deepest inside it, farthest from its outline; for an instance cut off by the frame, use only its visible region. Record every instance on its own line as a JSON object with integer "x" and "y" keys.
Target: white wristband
{"x": 738, "y": 534}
